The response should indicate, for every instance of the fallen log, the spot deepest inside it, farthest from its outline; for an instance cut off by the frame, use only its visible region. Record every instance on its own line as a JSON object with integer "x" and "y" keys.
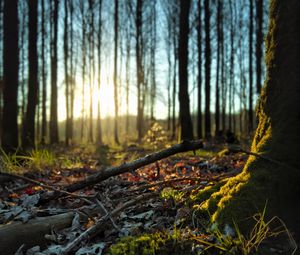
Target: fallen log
{"x": 32, "y": 233}
{"x": 128, "y": 167}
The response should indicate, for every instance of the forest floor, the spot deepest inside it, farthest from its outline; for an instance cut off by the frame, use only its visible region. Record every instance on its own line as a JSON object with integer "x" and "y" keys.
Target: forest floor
{"x": 152, "y": 210}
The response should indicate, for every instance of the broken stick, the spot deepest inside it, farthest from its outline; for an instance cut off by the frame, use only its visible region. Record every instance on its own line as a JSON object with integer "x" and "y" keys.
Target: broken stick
{"x": 100, "y": 224}
{"x": 130, "y": 166}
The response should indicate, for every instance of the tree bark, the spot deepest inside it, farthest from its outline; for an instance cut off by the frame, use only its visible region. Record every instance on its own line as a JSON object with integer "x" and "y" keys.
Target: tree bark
{"x": 29, "y": 125}
{"x": 99, "y": 122}
{"x": 44, "y": 78}
{"x": 250, "y": 113}
{"x": 277, "y": 136}
{"x": 53, "y": 104}
{"x": 139, "y": 67}
{"x": 32, "y": 233}
{"x": 66, "y": 67}
{"x": 199, "y": 99}
{"x": 116, "y": 20}
{"x": 259, "y": 43}
{"x": 217, "y": 113}
{"x": 207, "y": 69}
{"x": 10, "y": 134}
{"x": 184, "y": 100}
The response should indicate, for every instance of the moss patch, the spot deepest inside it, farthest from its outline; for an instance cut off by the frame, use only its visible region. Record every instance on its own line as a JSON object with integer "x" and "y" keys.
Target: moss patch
{"x": 150, "y": 244}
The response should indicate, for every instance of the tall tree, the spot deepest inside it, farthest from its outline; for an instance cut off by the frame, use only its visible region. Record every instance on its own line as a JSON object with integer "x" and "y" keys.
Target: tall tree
{"x": 91, "y": 67}
{"x": 231, "y": 72}
{"x": 10, "y": 76}
{"x": 1, "y": 66}
{"x": 53, "y": 104}
{"x": 223, "y": 80}
{"x": 175, "y": 63}
{"x": 184, "y": 101}
{"x": 67, "y": 75}
{"x": 259, "y": 43}
{"x": 139, "y": 66}
{"x": 217, "y": 114}
{"x": 29, "y": 125}
{"x": 99, "y": 38}
{"x": 83, "y": 65}
{"x": 250, "y": 113}
{"x": 153, "y": 62}
{"x": 72, "y": 82}
{"x": 128, "y": 51}
{"x": 207, "y": 68}
{"x": 199, "y": 41}
{"x": 277, "y": 136}
{"x": 116, "y": 27}
{"x": 44, "y": 78}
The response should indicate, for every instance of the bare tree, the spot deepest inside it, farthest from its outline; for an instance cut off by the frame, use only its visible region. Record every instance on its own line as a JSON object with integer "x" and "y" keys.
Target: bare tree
{"x": 29, "y": 125}
{"x": 44, "y": 75}
{"x": 207, "y": 68}
{"x": 184, "y": 101}
{"x": 53, "y": 107}
{"x": 99, "y": 124}
{"x": 199, "y": 41}
{"x": 116, "y": 20}
{"x": 250, "y": 114}
{"x": 10, "y": 76}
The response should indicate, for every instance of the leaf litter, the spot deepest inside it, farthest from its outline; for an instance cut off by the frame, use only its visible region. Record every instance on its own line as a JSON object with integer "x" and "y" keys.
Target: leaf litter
{"x": 176, "y": 176}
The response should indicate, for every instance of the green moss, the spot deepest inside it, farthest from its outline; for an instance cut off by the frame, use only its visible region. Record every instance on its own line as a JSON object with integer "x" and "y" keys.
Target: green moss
{"x": 206, "y": 193}
{"x": 170, "y": 193}
{"x": 151, "y": 244}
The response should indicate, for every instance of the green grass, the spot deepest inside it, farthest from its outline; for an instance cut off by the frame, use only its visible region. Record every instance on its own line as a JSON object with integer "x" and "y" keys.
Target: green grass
{"x": 9, "y": 162}
{"x": 36, "y": 160}
{"x": 238, "y": 244}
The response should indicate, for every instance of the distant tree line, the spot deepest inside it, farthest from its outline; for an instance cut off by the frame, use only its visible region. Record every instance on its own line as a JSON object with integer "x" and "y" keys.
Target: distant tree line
{"x": 203, "y": 51}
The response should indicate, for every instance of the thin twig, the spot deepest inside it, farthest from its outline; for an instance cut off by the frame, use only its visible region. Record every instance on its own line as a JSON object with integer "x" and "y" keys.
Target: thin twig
{"x": 26, "y": 179}
{"x": 92, "y": 231}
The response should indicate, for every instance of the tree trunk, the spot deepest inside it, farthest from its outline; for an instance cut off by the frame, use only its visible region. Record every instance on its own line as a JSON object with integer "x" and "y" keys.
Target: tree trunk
{"x": 128, "y": 51}
{"x": 199, "y": 99}
{"x": 10, "y": 76}
{"x": 99, "y": 124}
{"x": 91, "y": 68}
{"x": 29, "y": 125}
{"x": 259, "y": 42}
{"x": 184, "y": 100}
{"x": 72, "y": 82}
{"x": 207, "y": 69}
{"x": 83, "y": 66}
{"x": 250, "y": 113}
{"x": 66, "y": 67}
{"x": 175, "y": 51}
{"x": 139, "y": 68}
{"x": 277, "y": 136}
{"x": 44, "y": 78}
{"x": 116, "y": 137}
{"x": 153, "y": 66}
{"x": 217, "y": 114}
{"x": 53, "y": 107}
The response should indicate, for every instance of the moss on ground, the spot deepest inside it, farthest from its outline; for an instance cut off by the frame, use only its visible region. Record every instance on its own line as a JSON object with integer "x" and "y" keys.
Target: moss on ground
{"x": 149, "y": 244}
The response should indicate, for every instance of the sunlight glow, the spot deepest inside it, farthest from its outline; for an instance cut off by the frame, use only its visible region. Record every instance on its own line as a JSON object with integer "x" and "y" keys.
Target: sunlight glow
{"x": 105, "y": 95}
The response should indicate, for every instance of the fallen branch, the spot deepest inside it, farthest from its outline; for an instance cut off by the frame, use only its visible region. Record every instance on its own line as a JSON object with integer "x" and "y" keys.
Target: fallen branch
{"x": 46, "y": 186}
{"x": 94, "y": 230}
{"x": 128, "y": 167}
{"x": 171, "y": 181}
{"x": 32, "y": 233}
{"x": 274, "y": 161}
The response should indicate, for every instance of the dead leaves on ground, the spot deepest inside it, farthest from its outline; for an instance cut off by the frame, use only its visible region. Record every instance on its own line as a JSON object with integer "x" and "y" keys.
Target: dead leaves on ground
{"x": 181, "y": 175}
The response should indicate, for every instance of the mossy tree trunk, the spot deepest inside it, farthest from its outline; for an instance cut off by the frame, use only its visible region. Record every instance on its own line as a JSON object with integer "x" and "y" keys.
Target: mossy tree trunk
{"x": 277, "y": 136}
